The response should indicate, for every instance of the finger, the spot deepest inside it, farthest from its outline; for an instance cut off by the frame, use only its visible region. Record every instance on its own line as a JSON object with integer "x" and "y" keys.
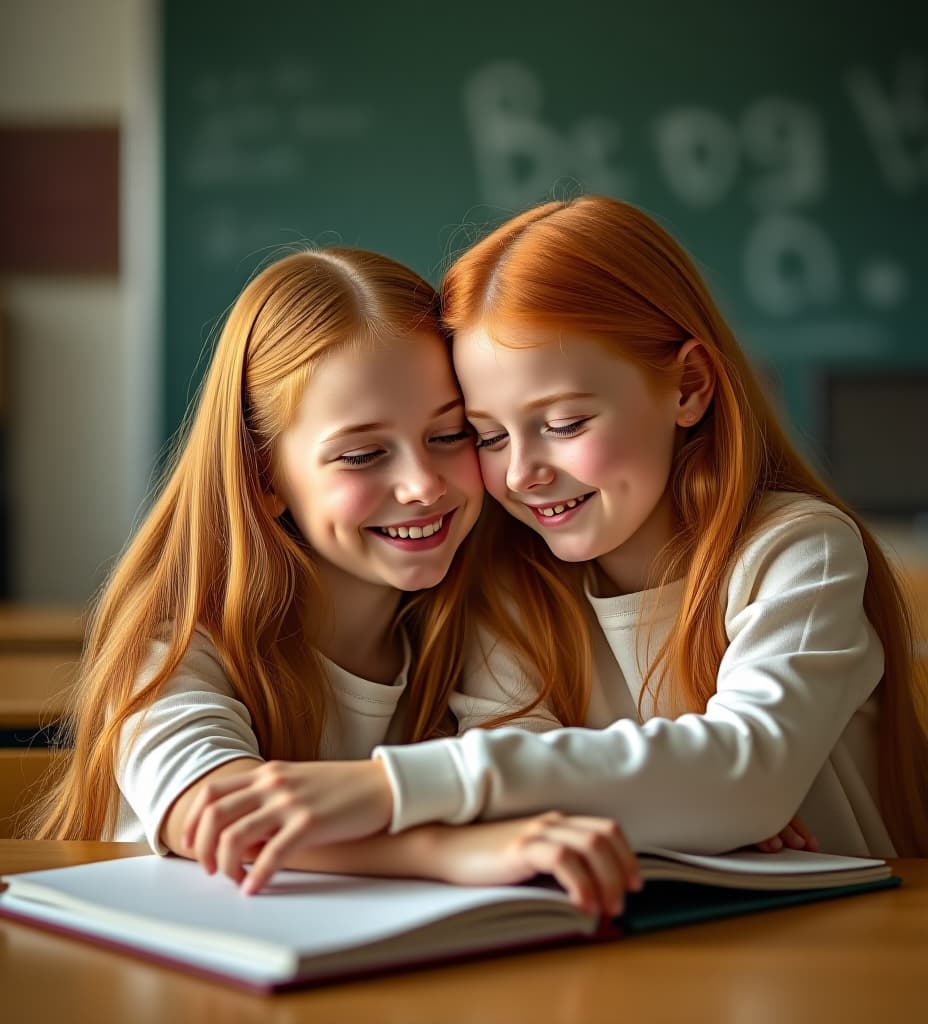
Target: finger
{"x": 238, "y": 841}
{"x": 569, "y": 870}
{"x": 595, "y": 843}
{"x": 622, "y": 850}
{"x": 275, "y": 853}
{"x": 208, "y": 795}
{"x": 808, "y": 841}
{"x": 215, "y": 819}
{"x": 791, "y": 838}
{"x": 772, "y": 845}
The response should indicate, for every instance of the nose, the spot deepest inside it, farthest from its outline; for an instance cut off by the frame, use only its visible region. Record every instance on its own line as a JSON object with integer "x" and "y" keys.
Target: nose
{"x": 420, "y": 482}
{"x": 526, "y": 469}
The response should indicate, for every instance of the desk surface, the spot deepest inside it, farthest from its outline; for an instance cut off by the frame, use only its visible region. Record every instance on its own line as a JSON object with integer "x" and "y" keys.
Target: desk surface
{"x": 860, "y": 959}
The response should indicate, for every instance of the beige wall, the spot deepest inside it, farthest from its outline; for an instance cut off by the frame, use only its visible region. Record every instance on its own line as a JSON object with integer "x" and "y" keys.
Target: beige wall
{"x": 83, "y": 371}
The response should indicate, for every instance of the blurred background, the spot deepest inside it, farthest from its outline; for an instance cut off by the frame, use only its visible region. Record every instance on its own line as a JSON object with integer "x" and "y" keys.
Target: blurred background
{"x": 153, "y": 154}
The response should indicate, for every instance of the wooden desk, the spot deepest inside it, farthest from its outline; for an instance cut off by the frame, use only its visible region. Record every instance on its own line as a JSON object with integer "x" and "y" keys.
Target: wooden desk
{"x": 863, "y": 959}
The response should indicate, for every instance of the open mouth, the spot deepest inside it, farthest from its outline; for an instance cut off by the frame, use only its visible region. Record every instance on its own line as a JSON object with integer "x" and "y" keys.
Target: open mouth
{"x": 417, "y": 536}
{"x": 558, "y": 511}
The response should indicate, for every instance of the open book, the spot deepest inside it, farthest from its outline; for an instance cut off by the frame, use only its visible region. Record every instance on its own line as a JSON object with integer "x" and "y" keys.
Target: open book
{"x": 311, "y": 927}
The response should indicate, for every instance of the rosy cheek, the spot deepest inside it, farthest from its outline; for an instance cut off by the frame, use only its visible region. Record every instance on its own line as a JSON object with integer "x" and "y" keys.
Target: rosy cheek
{"x": 351, "y": 497}
{"x": 493, "y": 470}
{"x": 591, "y": 459}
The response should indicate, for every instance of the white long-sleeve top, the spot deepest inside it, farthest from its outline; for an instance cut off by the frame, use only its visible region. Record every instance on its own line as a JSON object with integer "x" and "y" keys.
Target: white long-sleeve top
{"x": 791, "y": 727}
{"x": 196, "y": 724}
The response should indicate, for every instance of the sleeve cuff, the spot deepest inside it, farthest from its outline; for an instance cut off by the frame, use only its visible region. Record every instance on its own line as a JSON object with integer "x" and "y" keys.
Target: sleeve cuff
{"x": 425, "y": 784}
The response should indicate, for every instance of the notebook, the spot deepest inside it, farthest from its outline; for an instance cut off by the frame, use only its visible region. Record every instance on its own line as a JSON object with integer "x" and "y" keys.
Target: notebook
{"x": 308, "y": 928}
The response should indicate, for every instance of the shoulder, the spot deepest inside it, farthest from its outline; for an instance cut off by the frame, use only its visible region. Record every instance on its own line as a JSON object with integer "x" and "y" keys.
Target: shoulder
{"x": 796, "y": 538}
{"x": 200, "y": 668}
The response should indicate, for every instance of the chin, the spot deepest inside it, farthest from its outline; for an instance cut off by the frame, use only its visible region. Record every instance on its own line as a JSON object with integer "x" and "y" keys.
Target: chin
{"x": 420, "y": 581}
{"x": 573, "y": 553}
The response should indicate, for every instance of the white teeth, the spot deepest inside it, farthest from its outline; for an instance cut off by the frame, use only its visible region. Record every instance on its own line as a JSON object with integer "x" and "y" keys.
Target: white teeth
{"x": 431, "y": 528}
{"x": 413, "y": 532}
{"x": 556, "y": 510}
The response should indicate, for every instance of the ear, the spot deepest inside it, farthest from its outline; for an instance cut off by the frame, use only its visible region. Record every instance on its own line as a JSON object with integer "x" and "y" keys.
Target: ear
{"x": 275, "y": 505}
{"x": 696, "y": 383}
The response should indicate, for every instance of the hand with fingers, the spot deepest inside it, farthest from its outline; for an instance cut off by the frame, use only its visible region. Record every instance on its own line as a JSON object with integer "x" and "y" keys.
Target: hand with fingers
{"x": 268, "y": 814}
{"x": 589, "y": 857}
{"x": 794, "y": 836}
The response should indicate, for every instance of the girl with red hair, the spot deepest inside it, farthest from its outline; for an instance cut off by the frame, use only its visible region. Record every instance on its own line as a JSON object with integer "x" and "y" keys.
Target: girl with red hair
{"x": 293, "y": 596}
{"x": 694, "y": 636}
{"x": 661, "y": 567}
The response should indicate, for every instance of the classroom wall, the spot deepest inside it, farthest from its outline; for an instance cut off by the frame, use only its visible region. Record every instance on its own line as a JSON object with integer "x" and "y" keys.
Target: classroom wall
{"x": 83, "y": 375}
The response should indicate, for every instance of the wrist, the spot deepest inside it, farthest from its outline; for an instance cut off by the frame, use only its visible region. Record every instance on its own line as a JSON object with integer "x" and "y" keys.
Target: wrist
{"x": 423, "y": 849}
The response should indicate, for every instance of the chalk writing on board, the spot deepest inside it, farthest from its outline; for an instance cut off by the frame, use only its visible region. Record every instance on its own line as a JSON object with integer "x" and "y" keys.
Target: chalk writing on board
{"x": 894, "y": 114}
{"x": 260, "y": 127}
{"x": 772, "y": 157}
{"x": 254, "y": 126}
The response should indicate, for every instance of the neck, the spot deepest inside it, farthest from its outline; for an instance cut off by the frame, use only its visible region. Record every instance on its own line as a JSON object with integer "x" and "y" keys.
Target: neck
{"x": 635, "y": 565}
{"x": 358, "y": 633}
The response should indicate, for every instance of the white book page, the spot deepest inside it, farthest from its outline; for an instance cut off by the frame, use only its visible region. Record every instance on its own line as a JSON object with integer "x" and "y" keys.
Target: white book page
{"x": 751, "y": 862}
{"x": 148, "y": 900}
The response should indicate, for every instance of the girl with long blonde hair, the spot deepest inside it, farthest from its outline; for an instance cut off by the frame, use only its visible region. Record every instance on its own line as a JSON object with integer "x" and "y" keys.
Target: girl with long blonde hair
{"x": 694, "y": 635}
{"x": 295, "y": 595}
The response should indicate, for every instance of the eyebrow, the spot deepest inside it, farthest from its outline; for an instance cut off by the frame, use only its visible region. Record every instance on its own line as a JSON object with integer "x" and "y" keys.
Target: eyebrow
{"x": 536, "y": 403}
{"x": 363, "y": 428}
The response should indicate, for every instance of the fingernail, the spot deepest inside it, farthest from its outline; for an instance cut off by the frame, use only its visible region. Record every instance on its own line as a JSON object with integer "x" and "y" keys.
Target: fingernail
{"x": 776, "y": 843}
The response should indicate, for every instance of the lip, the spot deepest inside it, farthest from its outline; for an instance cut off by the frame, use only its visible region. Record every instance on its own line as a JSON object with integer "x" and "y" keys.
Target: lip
{"x": 561, "y": 517}
{"x": 423, "y": 543}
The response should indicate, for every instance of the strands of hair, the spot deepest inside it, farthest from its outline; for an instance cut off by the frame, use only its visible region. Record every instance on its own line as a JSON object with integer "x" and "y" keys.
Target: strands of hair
{"x": 604, "y": 269}
{"x": 210, "y": 555}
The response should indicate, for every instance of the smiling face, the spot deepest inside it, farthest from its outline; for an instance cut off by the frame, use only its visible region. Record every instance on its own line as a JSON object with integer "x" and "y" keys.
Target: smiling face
{"x": 378, "y": 469}
{"x": 577, "y": 443}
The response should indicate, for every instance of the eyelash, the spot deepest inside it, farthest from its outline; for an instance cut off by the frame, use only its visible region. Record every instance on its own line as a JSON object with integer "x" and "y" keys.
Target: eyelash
{"x": 568, "y": 430}
{"x": 461, "y": 435}
{"x": 359, "y": 460}
{"x": 365, "y": 457}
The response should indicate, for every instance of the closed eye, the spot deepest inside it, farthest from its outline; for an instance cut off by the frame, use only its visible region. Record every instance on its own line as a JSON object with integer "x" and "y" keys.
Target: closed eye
{"x": 360, "y": 458}
{"x": 461, "y": 435}
{"x": 492, "y": 441}
{"x": 568, "y": 429}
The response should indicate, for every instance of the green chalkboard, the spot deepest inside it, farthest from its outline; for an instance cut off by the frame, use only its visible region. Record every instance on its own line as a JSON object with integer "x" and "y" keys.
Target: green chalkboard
{"x": 785, "y": 145}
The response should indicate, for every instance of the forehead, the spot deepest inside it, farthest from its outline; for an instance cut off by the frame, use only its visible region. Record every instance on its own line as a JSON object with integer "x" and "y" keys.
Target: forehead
{"x": 530, "y": 362}
{"x": 377, "y": 379}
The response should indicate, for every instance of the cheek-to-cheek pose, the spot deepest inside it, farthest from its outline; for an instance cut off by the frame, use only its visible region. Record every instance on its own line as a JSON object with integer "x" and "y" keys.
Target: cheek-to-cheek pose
{"x": 290, "y": 600}
{"x": 694, "y": 636}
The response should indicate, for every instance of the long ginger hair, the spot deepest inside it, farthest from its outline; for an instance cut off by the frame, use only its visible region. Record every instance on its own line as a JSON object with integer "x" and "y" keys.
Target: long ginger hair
{"x": 604, "y": 269}
{"x": 210, "y": 554}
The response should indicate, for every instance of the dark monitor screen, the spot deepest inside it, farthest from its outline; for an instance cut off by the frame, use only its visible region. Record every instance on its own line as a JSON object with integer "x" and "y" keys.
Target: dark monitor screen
{"x": 876, "y": 439}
